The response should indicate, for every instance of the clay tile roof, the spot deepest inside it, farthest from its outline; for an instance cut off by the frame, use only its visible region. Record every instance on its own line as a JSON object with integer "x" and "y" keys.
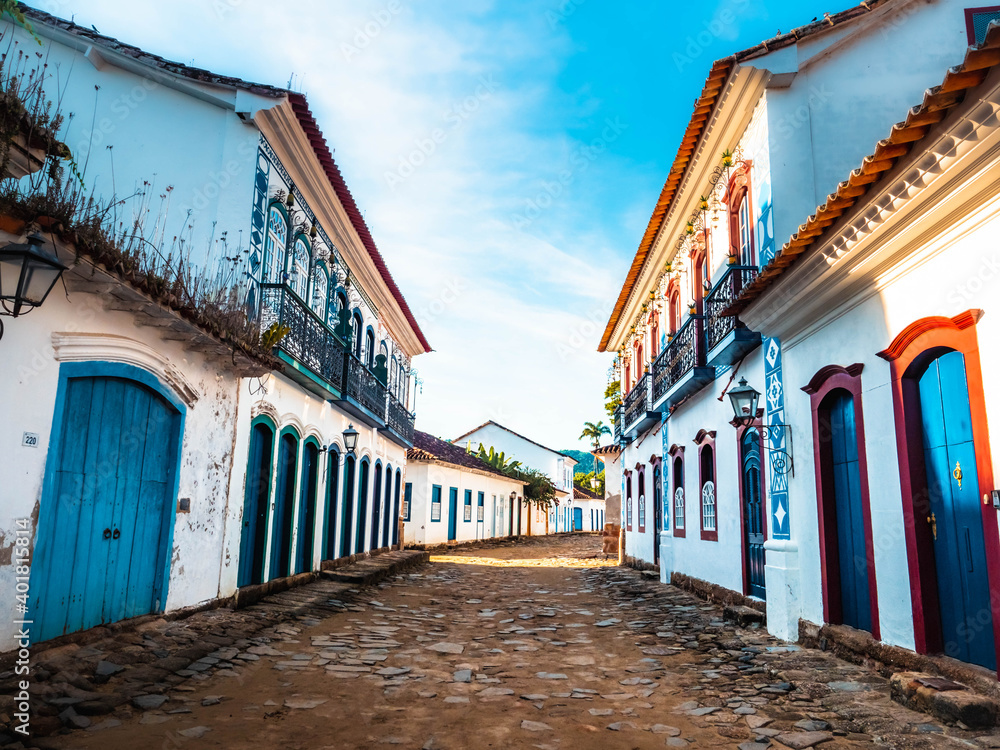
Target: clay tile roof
{"x": 903, "y": 137}
{"x": 429, "y": 448}
{"x": 704, "y": 107}
{"x": 586, "y": 494}
{"x": 607, "y": 450}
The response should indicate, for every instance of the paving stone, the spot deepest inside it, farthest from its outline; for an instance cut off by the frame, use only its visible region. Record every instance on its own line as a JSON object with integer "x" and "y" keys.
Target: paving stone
{"x": 447, "y": 648}
{"x": 535, "y": 726}
{"x": 802, "y": 740}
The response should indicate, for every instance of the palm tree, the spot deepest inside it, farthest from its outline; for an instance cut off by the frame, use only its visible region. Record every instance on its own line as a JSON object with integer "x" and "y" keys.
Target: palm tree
{"x": 594, "y": 432}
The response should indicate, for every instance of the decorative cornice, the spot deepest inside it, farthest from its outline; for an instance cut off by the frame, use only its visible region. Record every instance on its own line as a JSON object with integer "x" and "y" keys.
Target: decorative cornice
{"x": 106, "y": 347}
{"x": 675, "y": 450}
{"x": 918, "y": 328}
{"x": 265, "y": 408}
{"x": 825, "y": 373}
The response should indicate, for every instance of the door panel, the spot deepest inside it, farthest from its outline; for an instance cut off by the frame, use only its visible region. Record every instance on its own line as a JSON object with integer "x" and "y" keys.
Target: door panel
{"x": 106, "y": 516}
{"x": 953, "y": 492}
{"x": 253, "y": 539}
{"x": 452, "y": 514}
{"x": 753, "y": 519}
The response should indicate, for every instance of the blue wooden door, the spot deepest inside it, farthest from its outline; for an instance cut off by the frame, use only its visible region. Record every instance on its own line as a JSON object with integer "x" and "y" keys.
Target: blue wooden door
{"x": 284, "y": 507}
{"x": 330, "y": 527}
{"x": 391, "y": 514}
{"x": 253, "y": 539}
{"x": 362, "y": 505}
{"x": 348, "y": 515}
{"x": 376, "y": 507}
{"x": 753, "y": 515}
{"x": 309, "y": 485}
{"x": 108, "y": 509}
{"x": 956, "y": 521}
{"x": 852, "y": 548}
{"x": 453, "y": 514}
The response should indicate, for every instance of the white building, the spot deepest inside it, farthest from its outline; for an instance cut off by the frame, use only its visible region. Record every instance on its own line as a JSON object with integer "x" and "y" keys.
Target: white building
{"x": 246, "y": 477}
{"x": 776, "y": 133}
{"x": 557, "y": 466}
{"x": 453, "y": 496}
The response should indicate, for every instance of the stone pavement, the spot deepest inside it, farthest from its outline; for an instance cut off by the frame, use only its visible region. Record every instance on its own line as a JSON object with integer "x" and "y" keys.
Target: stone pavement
{"x": 540, "y": 644}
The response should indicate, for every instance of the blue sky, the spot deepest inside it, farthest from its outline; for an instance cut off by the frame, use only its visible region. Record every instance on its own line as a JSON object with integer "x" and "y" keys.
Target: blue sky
{"x": 506, "y": 155}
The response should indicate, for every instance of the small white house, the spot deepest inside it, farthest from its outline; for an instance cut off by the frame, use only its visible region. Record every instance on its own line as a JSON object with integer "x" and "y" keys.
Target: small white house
{"x": 557, "y": 466}
{"x": 454, "y": 496}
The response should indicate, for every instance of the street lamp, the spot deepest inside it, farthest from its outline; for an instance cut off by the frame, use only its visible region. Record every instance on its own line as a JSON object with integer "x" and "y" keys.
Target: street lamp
{"x": 744, "y": 401}
{"x": 27, "y": 275}
{"x": 350, "y": 439}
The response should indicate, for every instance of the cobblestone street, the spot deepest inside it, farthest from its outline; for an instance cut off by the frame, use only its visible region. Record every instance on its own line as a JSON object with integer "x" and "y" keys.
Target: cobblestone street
{"x": 538, "y": 644}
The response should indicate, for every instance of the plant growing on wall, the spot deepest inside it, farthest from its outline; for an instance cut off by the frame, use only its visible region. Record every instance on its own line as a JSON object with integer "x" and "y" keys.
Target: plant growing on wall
{"x": 612, "y": 397}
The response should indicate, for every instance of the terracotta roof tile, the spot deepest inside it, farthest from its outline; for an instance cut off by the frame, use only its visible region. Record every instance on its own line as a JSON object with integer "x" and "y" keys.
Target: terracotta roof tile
{"x": 429, "y": 448}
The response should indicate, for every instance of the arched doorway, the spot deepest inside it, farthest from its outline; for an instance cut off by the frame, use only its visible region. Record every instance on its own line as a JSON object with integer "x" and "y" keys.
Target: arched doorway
{"x": 309, "y": 488}
{"x": 389, "y": 517}
{"x": 395, "y": 509}
{"x": 376, "y": 507}
{"x": 347, "y": 518}
{"x": 363, "y": 474}
{"x": 284, "y": 505}
{"x": 945, "y": 463}
{"x": 751, "y": 491}
{"x": 253, "y": 537}
{"x": 107, "y": 508}
{"x": 330, "y": 527}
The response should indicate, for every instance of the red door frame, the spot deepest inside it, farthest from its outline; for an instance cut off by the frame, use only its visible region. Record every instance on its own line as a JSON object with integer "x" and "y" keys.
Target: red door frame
{"x": 919, "y": 343}
{"x": 675, "y": 452}
{"x": 831, "y": 378}
{"x": 740, "y": 431}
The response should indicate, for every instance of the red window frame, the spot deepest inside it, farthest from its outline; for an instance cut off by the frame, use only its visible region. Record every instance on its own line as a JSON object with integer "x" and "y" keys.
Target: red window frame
{"x": 628, "y": 500}
{"x": 739, "y": 188}
{"x": 970, "y": 28}
{"x": 641, "y": 498}
{"x": 676, "y": 454}
{"x": 705, "y": 440}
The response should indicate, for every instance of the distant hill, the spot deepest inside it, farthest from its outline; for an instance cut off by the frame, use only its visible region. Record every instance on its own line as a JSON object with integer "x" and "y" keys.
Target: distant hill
{"x": 586, "y": 461}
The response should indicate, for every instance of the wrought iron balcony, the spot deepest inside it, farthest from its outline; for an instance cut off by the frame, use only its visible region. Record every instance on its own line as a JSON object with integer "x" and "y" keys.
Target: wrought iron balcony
{"x": 727, "y": 338}
{"x": 399, "y": 420}
{"x": 639, "y": 415}
{"x": 309, "y": 341}
{"x": 680, "y": 369}
{"x": 363, "y": 387}
{"x": 618, "y": 425}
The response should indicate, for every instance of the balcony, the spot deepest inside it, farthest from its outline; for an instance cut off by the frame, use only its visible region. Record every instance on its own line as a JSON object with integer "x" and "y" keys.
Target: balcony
{"x": 618, "y": 425}
{"x": 314, "y": 352}
{"x": 320, "y": 362}
{"x": 728, "y": 340}
{"x": 680, "y": 369}
{"x": 399, "y": 422}
{"x": 638, "y": 414}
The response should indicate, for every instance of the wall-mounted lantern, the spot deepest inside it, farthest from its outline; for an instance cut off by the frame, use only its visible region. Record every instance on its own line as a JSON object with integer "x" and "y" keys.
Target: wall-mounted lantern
{"x": 350, "y": 439}
{"x": 27, "y": 274}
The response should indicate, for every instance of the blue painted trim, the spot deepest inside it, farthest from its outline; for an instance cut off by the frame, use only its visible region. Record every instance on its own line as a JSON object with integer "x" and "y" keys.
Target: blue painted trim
{"x": 101, "y": 369}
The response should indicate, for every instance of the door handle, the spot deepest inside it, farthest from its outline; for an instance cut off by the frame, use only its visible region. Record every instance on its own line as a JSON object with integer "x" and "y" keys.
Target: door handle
{"x": 932, "y": 520}
{"x": 107, "y": 534}
{"x": 957, "y": 473}
{"x": 116, "y": 534}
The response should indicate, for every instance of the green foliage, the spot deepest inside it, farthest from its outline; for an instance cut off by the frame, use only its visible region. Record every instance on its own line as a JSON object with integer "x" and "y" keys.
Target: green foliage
{"x": 12, "y": 8}
{"x": 584, "y": 461}
{"x": 612, "y": 398}
{"x": 583, "y": 480}
{"x": 498, "y": 460}
{"x": 273, "y": 335}
{"x": 594, "y": 432}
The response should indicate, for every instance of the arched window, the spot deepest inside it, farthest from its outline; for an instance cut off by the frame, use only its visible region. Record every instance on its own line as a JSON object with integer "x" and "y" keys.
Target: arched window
{"x": 274, "y": 246}
{"x": 642, "y": 499}
{"x": 679, "y": 515}
{"x": 654, "y": 335}
{"x": 394, "y": 377}
{"x": 741, "y": 218}
{"x": 639, "y": 361}
{"x": 709, "y": 521}
{"x": 628, "y": 501}
{"x": 356, "y": 333}
{"x": 384, "y": 351}
{"x": 320, "y": 291}
{"x": 658, "y": 496}
{"x": 675, "y": 311}
{"x": 370, "y": 348}
{"x": 298, "y": 268}
{"x": 699, "y": 276}
{"x": 338, "y": 303}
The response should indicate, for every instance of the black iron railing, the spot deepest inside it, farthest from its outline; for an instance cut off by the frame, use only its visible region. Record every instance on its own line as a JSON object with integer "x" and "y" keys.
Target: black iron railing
{"x": 618, "y": 424}
{"x": 718, "y": 326}
{"x": 637, "y": 401}
{"x": 308, "y": 340}
{"x": 363, "y": 386}
{"x": 399, "y": 419}
{"x": 685, "y": 351}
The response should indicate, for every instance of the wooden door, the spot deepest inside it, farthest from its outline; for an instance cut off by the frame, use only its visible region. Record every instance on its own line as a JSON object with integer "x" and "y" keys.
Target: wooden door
{"x": 284, "y": 507}
{"x": 753, "y": 514}
{"x": 107, "y": 515}
{"x": 850, "y": 555}
{"x": 308, "y": 489}
{"x": 362, "y": 505}
{"x": 256, "y": 500}
{"x": 453, "y": 514}
{"x": 955, "y": 518}
{"x": 348, "y": 514}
